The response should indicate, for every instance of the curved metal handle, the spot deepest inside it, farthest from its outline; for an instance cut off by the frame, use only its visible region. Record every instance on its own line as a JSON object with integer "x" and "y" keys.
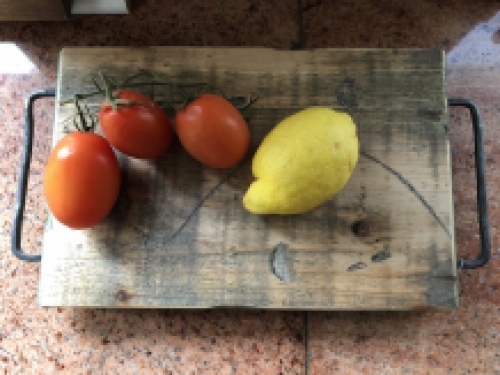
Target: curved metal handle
{"x": 484, "y": 229}
{"x": 23, "y": 176}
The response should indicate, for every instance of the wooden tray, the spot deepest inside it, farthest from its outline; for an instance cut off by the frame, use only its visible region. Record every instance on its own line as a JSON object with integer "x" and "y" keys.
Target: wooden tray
{"x": 180, "y": 237}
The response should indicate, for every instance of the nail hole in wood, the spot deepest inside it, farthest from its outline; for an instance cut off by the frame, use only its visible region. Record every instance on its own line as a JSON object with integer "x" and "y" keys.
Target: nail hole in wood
{"x": 122, "y": 295}
{"x": 361, "y": 228}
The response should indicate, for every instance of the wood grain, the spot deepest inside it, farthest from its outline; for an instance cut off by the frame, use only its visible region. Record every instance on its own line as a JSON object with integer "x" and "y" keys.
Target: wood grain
{"x": 31, "y": 10}
{"x": 179, "y": 236}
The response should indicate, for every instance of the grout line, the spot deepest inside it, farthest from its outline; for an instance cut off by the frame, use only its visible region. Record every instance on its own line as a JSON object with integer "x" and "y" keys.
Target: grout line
{"x": 307, "y": 343}
{"x": 299, "y": 44}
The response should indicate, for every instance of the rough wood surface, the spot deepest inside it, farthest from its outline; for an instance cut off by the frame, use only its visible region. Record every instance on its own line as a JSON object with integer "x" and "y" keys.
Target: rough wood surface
{"x": 31, "y": 10}
{"x": 179, "y": 236}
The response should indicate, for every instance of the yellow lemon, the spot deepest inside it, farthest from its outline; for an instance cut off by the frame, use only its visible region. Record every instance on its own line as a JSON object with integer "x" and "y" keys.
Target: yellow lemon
{"x": 303, "y": 162}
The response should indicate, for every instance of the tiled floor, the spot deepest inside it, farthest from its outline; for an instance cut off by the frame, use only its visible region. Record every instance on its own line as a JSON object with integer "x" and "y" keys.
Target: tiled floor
{"x": 465, "y": 340}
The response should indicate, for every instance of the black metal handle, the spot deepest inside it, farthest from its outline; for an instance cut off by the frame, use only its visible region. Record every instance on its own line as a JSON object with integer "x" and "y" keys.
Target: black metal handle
{"x": 480, "y": 261}
{"x": 23, "y": 175}
{"x": 484, "y": 230}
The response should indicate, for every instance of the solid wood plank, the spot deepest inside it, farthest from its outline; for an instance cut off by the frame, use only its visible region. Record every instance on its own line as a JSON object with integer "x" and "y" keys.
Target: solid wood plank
{"x": 180, "y": 237}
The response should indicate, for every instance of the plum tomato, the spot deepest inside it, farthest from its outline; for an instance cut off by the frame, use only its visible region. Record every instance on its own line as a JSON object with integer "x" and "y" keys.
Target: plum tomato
{"x": 213, "y": 131}
{"x": 81, "y": 180}
{"x": 142, "y": 131}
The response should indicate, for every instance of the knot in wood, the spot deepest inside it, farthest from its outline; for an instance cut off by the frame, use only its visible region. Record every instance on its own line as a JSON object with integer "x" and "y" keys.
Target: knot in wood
{"x": 122, "y": 295}
{"x": 361, "y": 228}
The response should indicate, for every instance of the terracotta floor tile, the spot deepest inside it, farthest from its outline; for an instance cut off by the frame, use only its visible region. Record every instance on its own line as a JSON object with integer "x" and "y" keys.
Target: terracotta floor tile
{"x": 391, "y": 24}
{"x": 464, "y": 340}
{"x": 395, "y": 343}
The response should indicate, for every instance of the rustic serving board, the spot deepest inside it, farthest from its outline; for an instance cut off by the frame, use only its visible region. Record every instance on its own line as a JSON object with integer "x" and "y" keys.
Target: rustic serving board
{"x": 180, "y": 237}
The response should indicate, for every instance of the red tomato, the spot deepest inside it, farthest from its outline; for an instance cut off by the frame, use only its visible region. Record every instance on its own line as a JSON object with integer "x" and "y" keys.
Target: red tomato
{"x": 82, "y": 180}
{"x": 213, "y": 131}
{"x": 141, "y": 131}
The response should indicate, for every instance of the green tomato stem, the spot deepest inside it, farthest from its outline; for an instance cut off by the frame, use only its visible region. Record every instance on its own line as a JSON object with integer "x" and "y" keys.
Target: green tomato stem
{"x": 109, "y": 88}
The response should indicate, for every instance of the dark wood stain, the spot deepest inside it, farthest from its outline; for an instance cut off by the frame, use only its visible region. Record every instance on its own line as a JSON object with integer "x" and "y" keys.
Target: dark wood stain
{"x": 410, "y": 187}
{"x": 430, "y": 114}
{"x": 123, "y": 296}
{"x": 381, "y": 255}
{"x": 346, "y": 93}
{"x": 361, "y": 228}
{"x": 357, "y": 266}
{"x": 495, "y": 38}
{"x": 280, "y": 262}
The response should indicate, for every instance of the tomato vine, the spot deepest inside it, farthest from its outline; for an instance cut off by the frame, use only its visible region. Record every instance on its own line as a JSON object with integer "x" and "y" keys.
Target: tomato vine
{"x": 108, "y": 87}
